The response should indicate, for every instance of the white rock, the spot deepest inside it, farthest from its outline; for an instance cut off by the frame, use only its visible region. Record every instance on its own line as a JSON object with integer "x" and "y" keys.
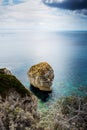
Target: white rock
{"x": 41, "y": 76}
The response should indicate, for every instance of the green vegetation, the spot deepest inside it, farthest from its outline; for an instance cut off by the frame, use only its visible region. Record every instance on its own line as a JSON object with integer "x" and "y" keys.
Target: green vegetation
{"x": 8, "y": 82}
{"x": 20, "y": 112}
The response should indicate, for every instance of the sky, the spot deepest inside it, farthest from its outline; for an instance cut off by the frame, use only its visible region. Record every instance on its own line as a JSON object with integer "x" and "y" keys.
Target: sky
{"x": 68, "y": 4}
{"x": 46, "y": 15}
{"x": 79, "y": 5}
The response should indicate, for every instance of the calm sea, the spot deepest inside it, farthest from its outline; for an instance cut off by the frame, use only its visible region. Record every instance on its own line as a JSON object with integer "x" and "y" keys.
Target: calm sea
{"x": 66, "y": 52}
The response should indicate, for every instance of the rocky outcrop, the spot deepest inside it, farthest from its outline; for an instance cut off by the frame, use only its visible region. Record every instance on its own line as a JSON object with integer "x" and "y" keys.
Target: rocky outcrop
{"x": 18, "y": 106}
{"x": 41, "y": 76}
{"x": 9, "y": 82}
{"x": 5, "y": 71}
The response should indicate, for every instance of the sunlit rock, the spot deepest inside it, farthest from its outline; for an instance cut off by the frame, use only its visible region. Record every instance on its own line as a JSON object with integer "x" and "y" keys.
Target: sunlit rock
{"x": 5, "y": 71}
{"x": 41, "y": 76}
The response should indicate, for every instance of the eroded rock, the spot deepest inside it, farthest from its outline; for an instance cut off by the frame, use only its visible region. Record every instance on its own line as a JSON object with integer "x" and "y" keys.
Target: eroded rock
{"x": 41, "y": 76}
{"x": 5, "y": 71}
{"x": 18, "y": 106}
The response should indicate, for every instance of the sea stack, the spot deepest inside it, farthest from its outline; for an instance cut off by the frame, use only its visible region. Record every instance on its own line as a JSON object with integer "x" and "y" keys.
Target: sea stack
{"x": 41, "y": 76}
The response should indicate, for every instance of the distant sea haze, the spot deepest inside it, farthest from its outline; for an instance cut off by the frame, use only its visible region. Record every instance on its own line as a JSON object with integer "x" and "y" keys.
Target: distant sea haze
{"x": 9, "y": 2}
{"x": 33, "y": 32}
{"x": 66, "y": 52}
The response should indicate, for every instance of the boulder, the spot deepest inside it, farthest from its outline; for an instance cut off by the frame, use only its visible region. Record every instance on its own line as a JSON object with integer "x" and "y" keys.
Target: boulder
{"x": 41, "y": 76}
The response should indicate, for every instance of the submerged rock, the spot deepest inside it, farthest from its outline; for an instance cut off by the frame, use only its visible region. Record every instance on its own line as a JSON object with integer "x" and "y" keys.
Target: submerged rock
{"x": 41, "y": 76}
{"x": 44, "y": 96}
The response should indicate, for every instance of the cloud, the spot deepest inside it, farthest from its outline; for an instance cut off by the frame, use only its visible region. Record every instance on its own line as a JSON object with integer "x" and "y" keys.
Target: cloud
{"x": 79, "y": 5}
{"x": 10, "y": 2}
{"x": 68, "y": 4}
{"x": 35, "y": 16}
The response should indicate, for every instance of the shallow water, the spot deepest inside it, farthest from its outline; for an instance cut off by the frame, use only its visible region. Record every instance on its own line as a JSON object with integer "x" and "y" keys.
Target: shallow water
{"x": 66, "y": 52}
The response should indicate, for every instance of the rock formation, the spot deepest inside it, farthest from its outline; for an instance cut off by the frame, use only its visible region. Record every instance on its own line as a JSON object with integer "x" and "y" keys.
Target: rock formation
{"x": 18, "y": 106}
{"x": 41, "y": 76}
{"x": 5, "y": 71}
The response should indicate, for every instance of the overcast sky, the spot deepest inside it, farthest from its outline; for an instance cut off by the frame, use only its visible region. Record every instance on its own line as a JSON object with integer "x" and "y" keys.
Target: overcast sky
{"x": 48, "y": 15}
{"x": 78, "y": 5}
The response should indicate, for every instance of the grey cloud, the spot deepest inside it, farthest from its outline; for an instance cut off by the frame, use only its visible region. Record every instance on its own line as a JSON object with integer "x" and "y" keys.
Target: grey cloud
{"x": 79, "y": 5}
{"x": 67, "y": 4}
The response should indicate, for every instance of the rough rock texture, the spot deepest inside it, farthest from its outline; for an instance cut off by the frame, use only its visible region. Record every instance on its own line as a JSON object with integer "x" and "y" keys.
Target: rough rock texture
{"x": 9, "y": 82}
{"x": 5, "y": 71}
{"x": 41, "y": 76}
{"x": 18, "y": 106}
{"x": 68, "y": 113}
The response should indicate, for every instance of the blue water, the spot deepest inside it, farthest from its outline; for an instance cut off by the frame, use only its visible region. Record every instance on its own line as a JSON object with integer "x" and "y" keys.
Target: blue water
{"x": 7, "y": 2}
{"x": 66, "y": 52}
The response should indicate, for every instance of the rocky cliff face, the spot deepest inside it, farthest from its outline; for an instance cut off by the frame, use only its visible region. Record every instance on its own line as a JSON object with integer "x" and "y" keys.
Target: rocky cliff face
{"x": 5, "y": 71}
{"x": 41, "y": 76}
{"x": 18, "y": 106}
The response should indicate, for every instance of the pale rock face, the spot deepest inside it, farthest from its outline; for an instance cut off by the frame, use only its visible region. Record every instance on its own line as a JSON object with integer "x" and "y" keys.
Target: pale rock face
{"x": 5, "y": 71}
{"x": 41, "y": 76}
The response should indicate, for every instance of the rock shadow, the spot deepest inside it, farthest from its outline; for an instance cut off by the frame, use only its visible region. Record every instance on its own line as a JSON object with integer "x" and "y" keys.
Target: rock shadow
{"x": 43, "y": 95}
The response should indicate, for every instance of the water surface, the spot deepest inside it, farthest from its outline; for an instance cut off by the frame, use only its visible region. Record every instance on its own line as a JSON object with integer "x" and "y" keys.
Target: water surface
{"x": 29, "y": 34}
{"x": 66, "y": 52}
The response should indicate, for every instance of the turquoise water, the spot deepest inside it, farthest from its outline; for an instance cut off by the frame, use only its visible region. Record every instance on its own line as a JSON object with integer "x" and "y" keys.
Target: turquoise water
{"x": 66, "y": 52}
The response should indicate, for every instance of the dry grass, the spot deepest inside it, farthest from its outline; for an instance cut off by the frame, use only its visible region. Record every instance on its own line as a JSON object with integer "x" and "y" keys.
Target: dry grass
{"x": 68, "y": 113}
{"x": 18, "y": 113}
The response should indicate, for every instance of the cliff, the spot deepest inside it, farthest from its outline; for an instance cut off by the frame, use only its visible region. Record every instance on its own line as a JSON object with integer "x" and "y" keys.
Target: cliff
{"x": 18, "y": 109}
{"x": 18, "y": 106}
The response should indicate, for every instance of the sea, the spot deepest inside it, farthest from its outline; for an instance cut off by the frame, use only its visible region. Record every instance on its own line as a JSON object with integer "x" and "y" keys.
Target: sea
{"x": 29, "y": 34}
{"x": 65, "y": 51}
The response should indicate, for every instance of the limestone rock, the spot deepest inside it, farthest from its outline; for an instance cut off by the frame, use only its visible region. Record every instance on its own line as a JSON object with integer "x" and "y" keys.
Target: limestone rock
{"x": 5, "y": 71}
{"x": 41, "y": 76}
